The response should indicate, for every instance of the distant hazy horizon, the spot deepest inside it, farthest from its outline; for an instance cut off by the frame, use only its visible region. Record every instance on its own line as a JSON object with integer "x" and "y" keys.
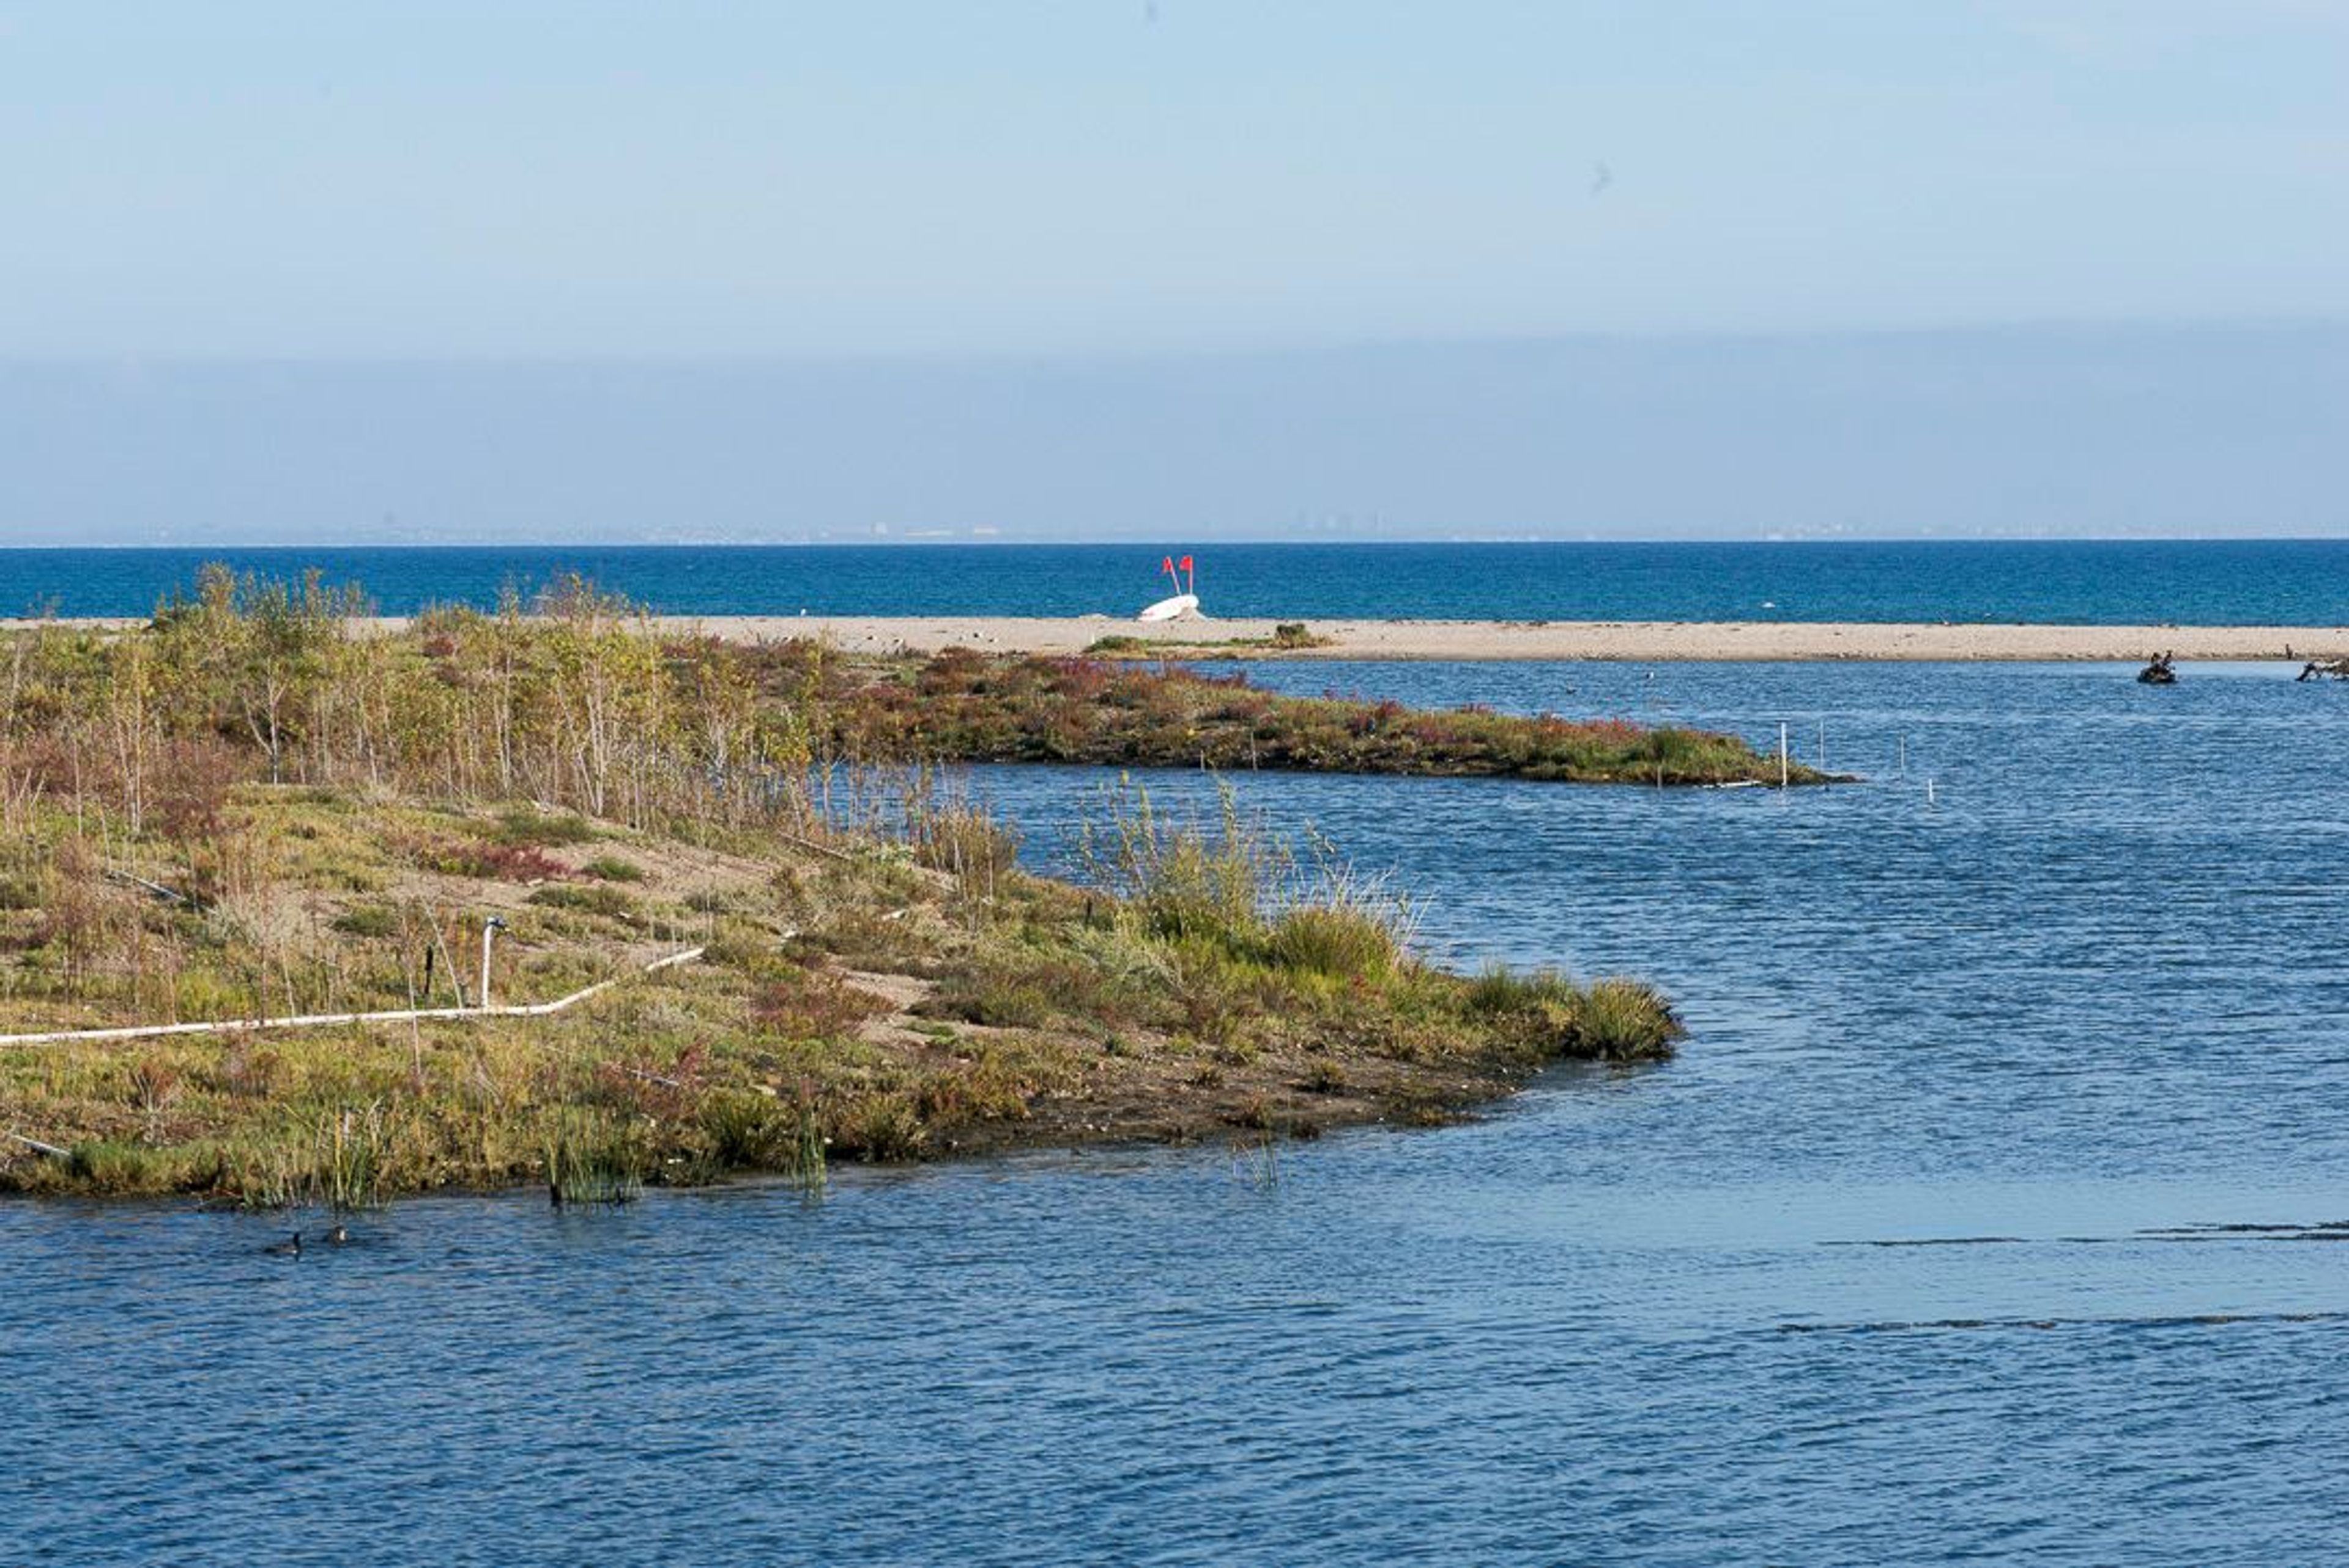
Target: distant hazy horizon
{"x": 2219, "y": 431}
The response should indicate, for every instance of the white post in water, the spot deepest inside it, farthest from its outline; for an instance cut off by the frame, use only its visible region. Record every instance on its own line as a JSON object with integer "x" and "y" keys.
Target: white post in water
{"x": 1904, "y": 757}
{"x": 1823, "y": 745}
{"x": 1782, "y": 756}
{"x": 1929, "y": 791}
{"x": 489, "y": 928}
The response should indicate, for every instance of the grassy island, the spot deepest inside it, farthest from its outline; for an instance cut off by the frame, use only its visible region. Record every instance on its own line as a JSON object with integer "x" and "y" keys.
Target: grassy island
{"x": 246, "y": 813}
{"x": 960, "y": 706}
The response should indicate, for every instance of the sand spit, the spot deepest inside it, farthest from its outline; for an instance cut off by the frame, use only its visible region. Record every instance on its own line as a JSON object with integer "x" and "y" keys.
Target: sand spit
{"x": 1632, "y": 640}
{"x": 1628, "y": 640}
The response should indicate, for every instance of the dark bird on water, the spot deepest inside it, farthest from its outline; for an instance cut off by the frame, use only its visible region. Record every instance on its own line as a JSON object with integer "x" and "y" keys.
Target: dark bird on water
{"x": 338, "y": 1237}
{"x": 289, "y": 1248}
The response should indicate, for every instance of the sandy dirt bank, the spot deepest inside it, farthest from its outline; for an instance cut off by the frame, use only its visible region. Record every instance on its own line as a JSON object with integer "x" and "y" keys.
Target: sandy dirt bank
{"x": 1633, "y": 640}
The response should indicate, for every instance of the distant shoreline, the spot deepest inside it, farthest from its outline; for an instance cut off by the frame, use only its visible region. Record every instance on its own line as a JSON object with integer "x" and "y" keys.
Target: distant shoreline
{"x": 1658, "y": 641}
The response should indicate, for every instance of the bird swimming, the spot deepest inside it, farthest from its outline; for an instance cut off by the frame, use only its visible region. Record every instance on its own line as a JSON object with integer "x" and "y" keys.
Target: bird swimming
{"x": 289, "y": 1248}
{"x": 338, "y": 1237}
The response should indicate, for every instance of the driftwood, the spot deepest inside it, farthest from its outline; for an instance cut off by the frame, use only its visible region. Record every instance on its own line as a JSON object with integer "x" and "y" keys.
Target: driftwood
{"x": 2160, "y": 671}
{"x": 168, "y": 895}
{"x": 2337, "y": 669}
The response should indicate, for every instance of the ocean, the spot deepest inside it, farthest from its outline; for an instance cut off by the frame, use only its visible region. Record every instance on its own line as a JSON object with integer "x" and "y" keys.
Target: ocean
{"x": 2287, "y": 582}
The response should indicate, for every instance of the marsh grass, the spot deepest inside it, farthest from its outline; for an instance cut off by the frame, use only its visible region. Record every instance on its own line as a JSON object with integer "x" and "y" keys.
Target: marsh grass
{"x": 1127, "y": 706}
{"x": 1611, "y": 1020}
{"x": 1255, "y": 1159}
{"x": 1239, "y": 887}
{"x": 352, "y": 1147}
{"x": 750, "y": 1131}
{"x": 1181, "y": 878}
{"x": 591, "y": 1156}
{"x": 1342, "y": 939}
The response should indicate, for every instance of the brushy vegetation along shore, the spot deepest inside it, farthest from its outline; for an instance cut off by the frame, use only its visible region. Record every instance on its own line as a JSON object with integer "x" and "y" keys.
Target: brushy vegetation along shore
{"x": 966, "y": 706}
{"x": 245, "y": 811}
{"x": 1287, "y": 636}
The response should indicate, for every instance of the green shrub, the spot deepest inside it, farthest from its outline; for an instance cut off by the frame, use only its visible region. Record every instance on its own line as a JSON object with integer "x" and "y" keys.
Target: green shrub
{"x": 368, "y": 920}
{"x": 1612, "y": 1020}
{"x": 808, "y": 1005}
{"x": 612, "y": 868}
{"x": 996, "y": 1000}
{"x": 522, "y": 827}
{"x": 882, "y": 1126}
{"x": 750, "y": 1131}
{"x": 597, "y": 898}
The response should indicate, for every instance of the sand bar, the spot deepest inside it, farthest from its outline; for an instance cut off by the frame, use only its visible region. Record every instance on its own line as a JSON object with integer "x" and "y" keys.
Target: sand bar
{"x": 1636, "y": 640}
{"x": 1632, "y": 640}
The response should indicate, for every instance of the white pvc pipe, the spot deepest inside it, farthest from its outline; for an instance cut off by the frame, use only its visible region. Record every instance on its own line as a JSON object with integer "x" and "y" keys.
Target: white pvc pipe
{"x": 329, "y": 1020}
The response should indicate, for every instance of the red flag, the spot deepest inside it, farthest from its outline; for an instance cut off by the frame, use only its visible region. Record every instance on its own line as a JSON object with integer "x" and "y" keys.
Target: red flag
{"x": 1167, "y": 564}
{"x": 1186, "y": 564}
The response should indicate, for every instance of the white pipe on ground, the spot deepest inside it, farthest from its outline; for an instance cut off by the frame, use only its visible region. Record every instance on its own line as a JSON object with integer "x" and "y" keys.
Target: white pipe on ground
{"x": 328, "y": 1020}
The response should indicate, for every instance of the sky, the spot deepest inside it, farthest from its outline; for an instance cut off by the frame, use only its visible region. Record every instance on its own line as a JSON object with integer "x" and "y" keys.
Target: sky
{"x": 957, "y": 195}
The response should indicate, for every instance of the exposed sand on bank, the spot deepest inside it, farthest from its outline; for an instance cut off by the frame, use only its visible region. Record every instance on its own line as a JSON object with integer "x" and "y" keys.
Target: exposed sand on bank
{"x": 1636, "y": 640}
{"x": 1631, "y": 640}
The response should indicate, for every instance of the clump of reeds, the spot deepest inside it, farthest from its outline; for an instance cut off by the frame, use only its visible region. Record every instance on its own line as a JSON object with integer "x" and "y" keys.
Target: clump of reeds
{"x": 1241, "y": 887}
{"x": 1255, "y": 1159}
{"x": 1611, "y": 1020}
{"x": 1344, "y": 926}
{"x": 751, "y": 1131}
{"x": 591, "y": 1157}
{"x": 884, "y": 1125}
{"x": 352, "y": 1155}
{"x": 967, "y": 841}
{"x": 1182, "y": 879}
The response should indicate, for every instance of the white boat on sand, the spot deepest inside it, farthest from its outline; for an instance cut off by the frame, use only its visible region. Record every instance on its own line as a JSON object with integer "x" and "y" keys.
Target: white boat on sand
{"x": 1183, "y": 603}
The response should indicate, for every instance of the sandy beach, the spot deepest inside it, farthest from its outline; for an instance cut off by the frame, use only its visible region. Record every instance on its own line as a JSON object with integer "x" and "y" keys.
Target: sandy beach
{"x": 1633, "y": 640}
{"x": 1707, "y": 641}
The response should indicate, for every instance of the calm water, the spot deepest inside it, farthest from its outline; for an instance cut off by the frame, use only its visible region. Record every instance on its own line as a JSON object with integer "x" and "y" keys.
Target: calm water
{"x": 2296, "y": 583}
{"x": 2084, "y": 1007}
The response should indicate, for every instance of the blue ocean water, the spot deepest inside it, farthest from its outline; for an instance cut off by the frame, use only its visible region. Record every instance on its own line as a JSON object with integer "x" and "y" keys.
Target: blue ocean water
{"x": 1996, "y": 1210}
{"x": 2293, "y": 583}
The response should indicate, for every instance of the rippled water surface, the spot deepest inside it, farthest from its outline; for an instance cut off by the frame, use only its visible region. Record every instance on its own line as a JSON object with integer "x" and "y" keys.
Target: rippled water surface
{"x": 2073, "y": 1031}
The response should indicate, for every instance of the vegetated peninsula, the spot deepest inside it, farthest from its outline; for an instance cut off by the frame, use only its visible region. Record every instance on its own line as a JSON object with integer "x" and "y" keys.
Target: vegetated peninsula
{"x": 960, "y": 706}
{"x": 246, "y": 813}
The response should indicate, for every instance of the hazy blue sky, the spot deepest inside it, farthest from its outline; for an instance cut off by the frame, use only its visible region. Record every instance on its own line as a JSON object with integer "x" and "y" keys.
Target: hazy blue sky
{"x": 429, "y": 178}
{"x": 1103, "y": 217}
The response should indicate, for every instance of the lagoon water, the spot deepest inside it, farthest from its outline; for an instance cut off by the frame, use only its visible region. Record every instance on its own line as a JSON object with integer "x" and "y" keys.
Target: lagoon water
{"x": 1927, "y": 1249}
{"x": 2251, "y": 582}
